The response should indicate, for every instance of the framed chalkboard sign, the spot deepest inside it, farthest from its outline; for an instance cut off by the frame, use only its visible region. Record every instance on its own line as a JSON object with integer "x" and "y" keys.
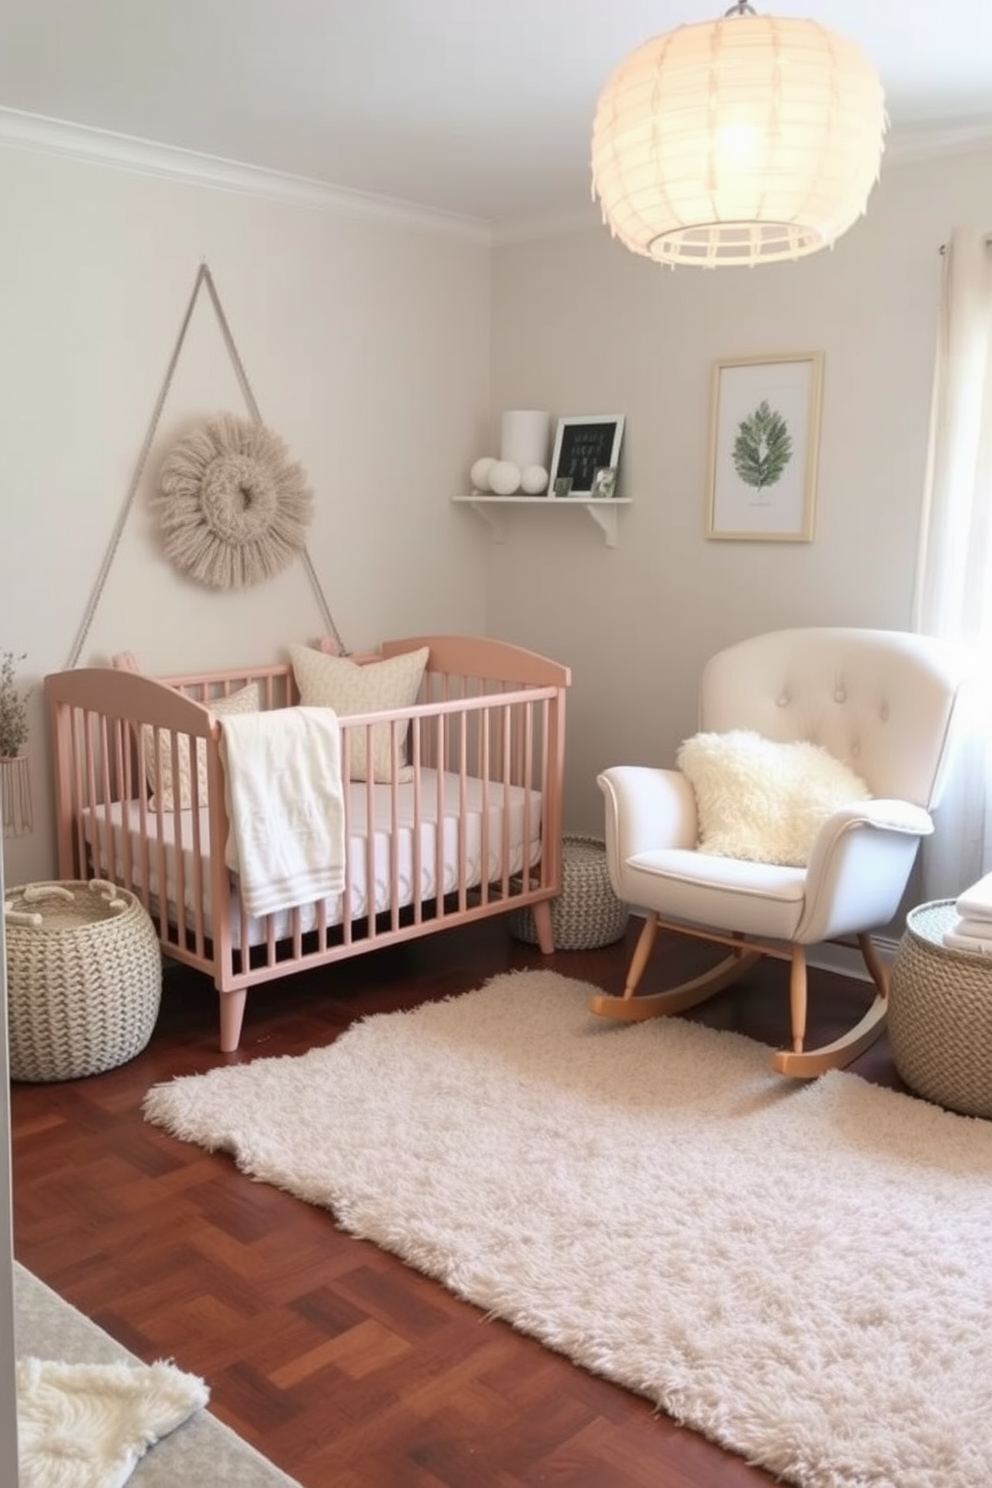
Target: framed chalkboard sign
{"x": 582, "y": 447}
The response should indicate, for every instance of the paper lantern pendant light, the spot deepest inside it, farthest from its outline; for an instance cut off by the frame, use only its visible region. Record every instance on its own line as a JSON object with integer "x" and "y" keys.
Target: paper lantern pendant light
{"x": 738, "y": 141}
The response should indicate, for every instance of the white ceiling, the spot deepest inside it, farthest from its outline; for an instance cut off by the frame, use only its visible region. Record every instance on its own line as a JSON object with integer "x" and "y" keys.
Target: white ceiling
{"x": 480, "y": 108}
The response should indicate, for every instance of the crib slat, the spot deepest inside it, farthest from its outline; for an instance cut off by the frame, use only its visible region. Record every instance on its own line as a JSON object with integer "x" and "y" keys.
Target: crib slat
{"x": 416, "y": 755}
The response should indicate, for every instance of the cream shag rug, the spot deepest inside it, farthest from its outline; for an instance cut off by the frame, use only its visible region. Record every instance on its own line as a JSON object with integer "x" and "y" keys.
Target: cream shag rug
{"x": 801, "y": 1272}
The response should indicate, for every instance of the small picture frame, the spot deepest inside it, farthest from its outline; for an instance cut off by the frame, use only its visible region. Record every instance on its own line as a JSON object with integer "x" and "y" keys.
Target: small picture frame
{"x": 583, "y": 446}
{"x": 604, "y": 482}
{"x": 764, "y": 444}
{"x": 562, "y": 485}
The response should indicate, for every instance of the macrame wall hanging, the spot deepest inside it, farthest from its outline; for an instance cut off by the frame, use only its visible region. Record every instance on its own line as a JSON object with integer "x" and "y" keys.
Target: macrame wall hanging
{"x": 232, "y": 505}
{"x": 233, "y": 508}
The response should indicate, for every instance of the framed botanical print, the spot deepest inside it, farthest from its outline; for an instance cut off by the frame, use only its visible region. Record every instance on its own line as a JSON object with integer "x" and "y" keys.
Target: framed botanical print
{"x": 764, "y": 447}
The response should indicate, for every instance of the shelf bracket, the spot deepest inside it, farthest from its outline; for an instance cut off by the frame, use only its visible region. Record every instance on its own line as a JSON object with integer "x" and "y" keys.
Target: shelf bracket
{"x": 494, "y": 519}
{"x": 605, "y": 516}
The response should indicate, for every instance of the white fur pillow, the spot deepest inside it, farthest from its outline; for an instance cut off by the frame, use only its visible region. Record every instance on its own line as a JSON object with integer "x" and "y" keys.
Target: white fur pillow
{"x": 761, "y": 800}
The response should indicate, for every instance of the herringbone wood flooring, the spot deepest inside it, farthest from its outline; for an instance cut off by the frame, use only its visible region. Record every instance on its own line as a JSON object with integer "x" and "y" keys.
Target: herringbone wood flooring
{"x": 341, "y": 1364}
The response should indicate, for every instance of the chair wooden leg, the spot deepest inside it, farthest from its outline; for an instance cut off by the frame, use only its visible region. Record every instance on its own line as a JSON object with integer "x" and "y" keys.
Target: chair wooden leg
{"x": 797, "y": 997}
{"x": 877, "y": 969}
{"x": 642, "y": 954}
{"x": 808, "y": 1064}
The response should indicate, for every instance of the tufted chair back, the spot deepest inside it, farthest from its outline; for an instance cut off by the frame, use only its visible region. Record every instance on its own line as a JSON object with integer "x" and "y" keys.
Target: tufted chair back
{"x": 877, "y": 699}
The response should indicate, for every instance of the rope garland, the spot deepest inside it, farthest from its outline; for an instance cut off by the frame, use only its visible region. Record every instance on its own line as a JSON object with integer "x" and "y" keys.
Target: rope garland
{"x": 203, "y": 278}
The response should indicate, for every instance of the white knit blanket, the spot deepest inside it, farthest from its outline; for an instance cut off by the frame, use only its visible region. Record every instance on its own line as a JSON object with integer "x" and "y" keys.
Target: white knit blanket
{"x": 88, "y": 1425}
{"x": 285, "y": 806}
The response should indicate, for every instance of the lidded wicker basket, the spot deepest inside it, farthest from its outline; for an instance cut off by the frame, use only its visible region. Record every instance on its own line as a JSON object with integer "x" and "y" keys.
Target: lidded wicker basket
{"x": 587, "y": 914}
{"x": 940, "y": 1014}
{"x": 84, "y": 978}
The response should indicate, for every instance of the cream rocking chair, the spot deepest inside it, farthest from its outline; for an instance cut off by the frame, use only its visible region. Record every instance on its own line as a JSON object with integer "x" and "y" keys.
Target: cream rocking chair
{"x": 882, "y": 702}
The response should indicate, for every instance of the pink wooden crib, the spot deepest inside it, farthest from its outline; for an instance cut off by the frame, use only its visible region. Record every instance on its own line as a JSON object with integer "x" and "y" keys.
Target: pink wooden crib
{"x": 475, "y": 831}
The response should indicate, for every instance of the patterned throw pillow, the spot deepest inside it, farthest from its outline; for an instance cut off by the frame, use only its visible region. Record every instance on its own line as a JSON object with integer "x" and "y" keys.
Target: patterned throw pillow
{"x": 762, "y": 800}
{"x": 349, "y": 687}
{"x": 159, "y": 770}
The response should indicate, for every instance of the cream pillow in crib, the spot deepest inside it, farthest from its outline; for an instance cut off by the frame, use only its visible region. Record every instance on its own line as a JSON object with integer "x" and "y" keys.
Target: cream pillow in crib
{"x": 159, "y": 771}
{"x": 762, "y": 800}
{"x": 349, "y": 687}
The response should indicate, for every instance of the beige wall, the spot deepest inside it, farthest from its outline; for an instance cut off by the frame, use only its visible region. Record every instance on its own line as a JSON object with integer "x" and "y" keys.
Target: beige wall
{"x": 366, "y": 345}
{"x": 383, "y": 355}
{"x": 582, "y": 326}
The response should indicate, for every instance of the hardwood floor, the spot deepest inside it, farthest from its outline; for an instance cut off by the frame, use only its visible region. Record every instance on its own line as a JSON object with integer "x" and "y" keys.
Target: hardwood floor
{"x": 341, "y": 1364}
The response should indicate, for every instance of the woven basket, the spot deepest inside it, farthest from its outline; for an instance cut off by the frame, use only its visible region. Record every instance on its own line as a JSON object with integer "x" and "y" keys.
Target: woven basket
{"x": 84, "y": 978}
{"x": 940, "y": 1014}
{"x": 587, "y": 913}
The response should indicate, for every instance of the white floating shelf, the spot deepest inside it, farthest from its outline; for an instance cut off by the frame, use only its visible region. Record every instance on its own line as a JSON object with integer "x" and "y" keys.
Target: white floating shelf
{"x": 601, "y": 509}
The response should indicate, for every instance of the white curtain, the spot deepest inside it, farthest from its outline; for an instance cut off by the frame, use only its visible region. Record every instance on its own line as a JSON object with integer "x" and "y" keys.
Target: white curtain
{"x": 954, "y": 577}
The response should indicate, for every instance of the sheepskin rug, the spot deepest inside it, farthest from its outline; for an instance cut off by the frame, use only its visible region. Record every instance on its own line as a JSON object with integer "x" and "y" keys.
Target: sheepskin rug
{"x": 799, "y": 1271}
{"x": 88, "y": 1425}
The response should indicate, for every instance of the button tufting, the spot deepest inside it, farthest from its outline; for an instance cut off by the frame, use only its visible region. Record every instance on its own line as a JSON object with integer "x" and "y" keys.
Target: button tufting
{"x": 783, "y": 700}
{"x": 840, "y": 696}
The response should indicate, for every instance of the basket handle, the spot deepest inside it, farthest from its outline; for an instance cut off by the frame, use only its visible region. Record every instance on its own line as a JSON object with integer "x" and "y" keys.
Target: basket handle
{"x": 20, "y": 916}
{"x": 34, "y": 894}
{"x": 110, "y": 892}
{"x": 37, "y": 893}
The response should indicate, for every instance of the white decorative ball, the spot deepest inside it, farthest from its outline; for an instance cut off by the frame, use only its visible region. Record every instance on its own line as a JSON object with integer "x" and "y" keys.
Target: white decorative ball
{"x": 533, "y": 479}
{"x": 504, "y": 478}
{"x": 481, "y": 472}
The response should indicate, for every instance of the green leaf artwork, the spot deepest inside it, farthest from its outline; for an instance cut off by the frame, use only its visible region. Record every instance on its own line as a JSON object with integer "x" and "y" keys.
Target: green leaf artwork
{"x": 763, "y": 448}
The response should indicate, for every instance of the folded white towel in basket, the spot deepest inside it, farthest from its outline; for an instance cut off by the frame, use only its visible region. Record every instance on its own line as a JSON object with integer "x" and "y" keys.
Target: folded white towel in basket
{"x": 976, "y": 903}
{"x": 974, "y": 929}
{"x": 285, "y": 806}
{"x": 970, "y": 943}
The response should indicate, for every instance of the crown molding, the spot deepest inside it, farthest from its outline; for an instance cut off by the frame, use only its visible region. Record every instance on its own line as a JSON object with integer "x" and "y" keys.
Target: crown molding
{"x": 124, "y": 152}
{"x": 49, "y": 136}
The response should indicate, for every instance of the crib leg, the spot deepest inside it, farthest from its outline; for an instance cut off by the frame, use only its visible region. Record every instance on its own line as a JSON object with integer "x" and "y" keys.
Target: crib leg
{"x": 232, "y": 1012}
{"x": 542, "y": 924}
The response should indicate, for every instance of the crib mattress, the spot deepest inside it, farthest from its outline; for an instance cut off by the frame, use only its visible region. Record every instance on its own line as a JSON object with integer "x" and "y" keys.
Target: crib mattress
{"x": 378, "y": 839}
